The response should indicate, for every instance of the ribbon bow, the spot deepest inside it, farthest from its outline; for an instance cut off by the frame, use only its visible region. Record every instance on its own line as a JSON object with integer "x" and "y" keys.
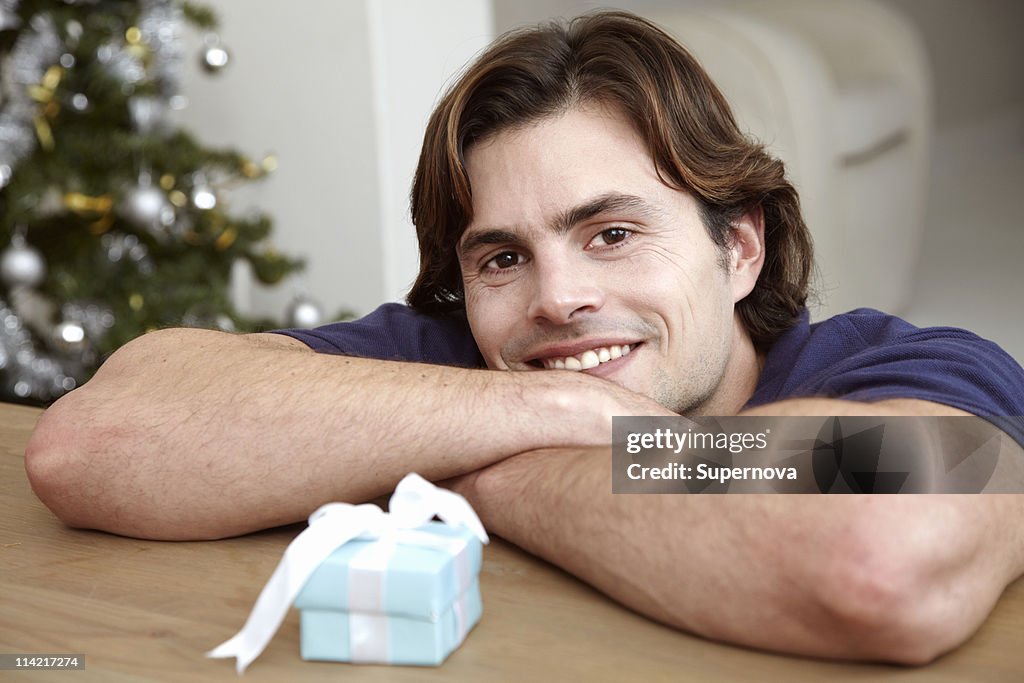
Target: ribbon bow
{"x": 414, "y": 503}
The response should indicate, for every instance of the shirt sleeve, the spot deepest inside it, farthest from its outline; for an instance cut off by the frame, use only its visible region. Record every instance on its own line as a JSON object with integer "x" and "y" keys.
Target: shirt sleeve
{"x": 396, "y": 332}
{"x": 944, "y": 365}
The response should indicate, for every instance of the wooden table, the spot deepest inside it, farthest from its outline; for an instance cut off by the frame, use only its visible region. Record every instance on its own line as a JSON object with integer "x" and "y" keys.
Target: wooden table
{"x": 145, "y": 610}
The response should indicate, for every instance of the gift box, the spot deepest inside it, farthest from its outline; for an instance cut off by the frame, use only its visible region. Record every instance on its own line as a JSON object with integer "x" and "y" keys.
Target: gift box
{"x": 375, "y": 587}
{"x": 408, "y": 599}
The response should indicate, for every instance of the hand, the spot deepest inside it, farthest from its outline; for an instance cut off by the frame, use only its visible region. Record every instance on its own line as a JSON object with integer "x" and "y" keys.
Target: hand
{"x": 605, "y": 399}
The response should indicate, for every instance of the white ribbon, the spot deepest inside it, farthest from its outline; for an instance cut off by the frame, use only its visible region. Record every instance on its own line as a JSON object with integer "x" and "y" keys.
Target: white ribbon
{"x": 414, "y": 503}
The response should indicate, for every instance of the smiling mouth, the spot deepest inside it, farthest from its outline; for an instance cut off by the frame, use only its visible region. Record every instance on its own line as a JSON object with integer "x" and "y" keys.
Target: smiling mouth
{"x": 586, "y": 360}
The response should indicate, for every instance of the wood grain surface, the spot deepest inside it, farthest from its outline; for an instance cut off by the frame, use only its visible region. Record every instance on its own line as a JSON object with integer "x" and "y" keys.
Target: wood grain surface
{"x": 147, "y": 611}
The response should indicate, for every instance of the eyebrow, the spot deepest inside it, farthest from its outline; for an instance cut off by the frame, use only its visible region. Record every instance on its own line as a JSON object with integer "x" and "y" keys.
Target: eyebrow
{"x": 564, "y": 222}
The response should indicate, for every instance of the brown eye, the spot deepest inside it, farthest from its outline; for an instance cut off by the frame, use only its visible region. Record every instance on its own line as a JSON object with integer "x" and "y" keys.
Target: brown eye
{"x": 614, "y": 235}
{"x": 506, "y": 259}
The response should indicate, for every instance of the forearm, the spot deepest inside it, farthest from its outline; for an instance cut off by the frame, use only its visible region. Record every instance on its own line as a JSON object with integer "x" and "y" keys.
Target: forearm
{"x": 900, "y": 578}
{"x": 196, "y": 434}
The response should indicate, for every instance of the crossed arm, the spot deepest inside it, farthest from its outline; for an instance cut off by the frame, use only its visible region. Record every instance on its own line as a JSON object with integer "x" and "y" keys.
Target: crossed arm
{"x": 890, "y": 578}
{"x": 195, "y": 434}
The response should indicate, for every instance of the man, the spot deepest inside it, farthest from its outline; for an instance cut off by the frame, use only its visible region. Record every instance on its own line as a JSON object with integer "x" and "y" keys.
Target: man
{"x": 587, "y": 206}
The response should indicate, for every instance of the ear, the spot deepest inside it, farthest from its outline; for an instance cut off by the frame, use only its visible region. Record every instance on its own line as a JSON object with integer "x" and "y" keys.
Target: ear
{"x": 746, "y": 252}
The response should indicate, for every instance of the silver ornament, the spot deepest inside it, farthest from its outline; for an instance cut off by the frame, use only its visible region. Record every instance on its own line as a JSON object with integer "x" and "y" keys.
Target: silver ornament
{"x": 143, "y": 205}
{"x": 148, "y": 207}
{"x": 215, "y": 56}
{"x": 79, "y": 102}
{"x": 21, "y": 264}
{"x": 303, "y": 312}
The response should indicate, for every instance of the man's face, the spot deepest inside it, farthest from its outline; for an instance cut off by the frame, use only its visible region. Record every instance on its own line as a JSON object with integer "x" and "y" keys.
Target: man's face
{"x": 579, "y": 257}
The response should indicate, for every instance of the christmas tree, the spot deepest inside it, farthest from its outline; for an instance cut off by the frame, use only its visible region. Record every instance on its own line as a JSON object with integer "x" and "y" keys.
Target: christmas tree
{"x": 112, "y": 221}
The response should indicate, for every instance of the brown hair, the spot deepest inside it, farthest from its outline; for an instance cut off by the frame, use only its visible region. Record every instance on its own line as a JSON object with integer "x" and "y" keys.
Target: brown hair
{"x": 623, "y": 60}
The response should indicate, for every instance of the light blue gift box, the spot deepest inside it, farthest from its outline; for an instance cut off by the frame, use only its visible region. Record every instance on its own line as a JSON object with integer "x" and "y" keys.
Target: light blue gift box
{"x": 427, "y": 600}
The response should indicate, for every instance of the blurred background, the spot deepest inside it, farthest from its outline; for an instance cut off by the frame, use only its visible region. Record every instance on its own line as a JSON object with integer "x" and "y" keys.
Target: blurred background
{"x": 341, "y": 92}
{"x": 901, "y": 122}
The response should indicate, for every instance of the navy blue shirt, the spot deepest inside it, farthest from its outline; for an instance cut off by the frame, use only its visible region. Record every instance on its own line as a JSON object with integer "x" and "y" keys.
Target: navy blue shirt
{"x": 864, "y": 355}
{"x": 396, "y": 332}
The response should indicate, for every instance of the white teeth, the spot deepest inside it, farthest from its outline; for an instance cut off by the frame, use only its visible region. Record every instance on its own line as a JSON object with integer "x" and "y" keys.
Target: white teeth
{"x": 588, "y": 359}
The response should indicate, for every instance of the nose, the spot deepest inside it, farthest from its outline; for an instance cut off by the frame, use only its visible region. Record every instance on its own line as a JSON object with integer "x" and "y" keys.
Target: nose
{"x": 563, "y": 289}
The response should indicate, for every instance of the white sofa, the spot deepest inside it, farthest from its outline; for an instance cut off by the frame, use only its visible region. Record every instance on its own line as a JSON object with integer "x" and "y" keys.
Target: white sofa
{"x": 841, "y": 91}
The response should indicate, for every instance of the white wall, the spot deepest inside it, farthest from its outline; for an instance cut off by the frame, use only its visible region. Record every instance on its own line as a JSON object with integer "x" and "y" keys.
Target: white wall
{"x": 976, "y": 52}
{"x": 416, "y": 47}
{"x": 340, "y": 92}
